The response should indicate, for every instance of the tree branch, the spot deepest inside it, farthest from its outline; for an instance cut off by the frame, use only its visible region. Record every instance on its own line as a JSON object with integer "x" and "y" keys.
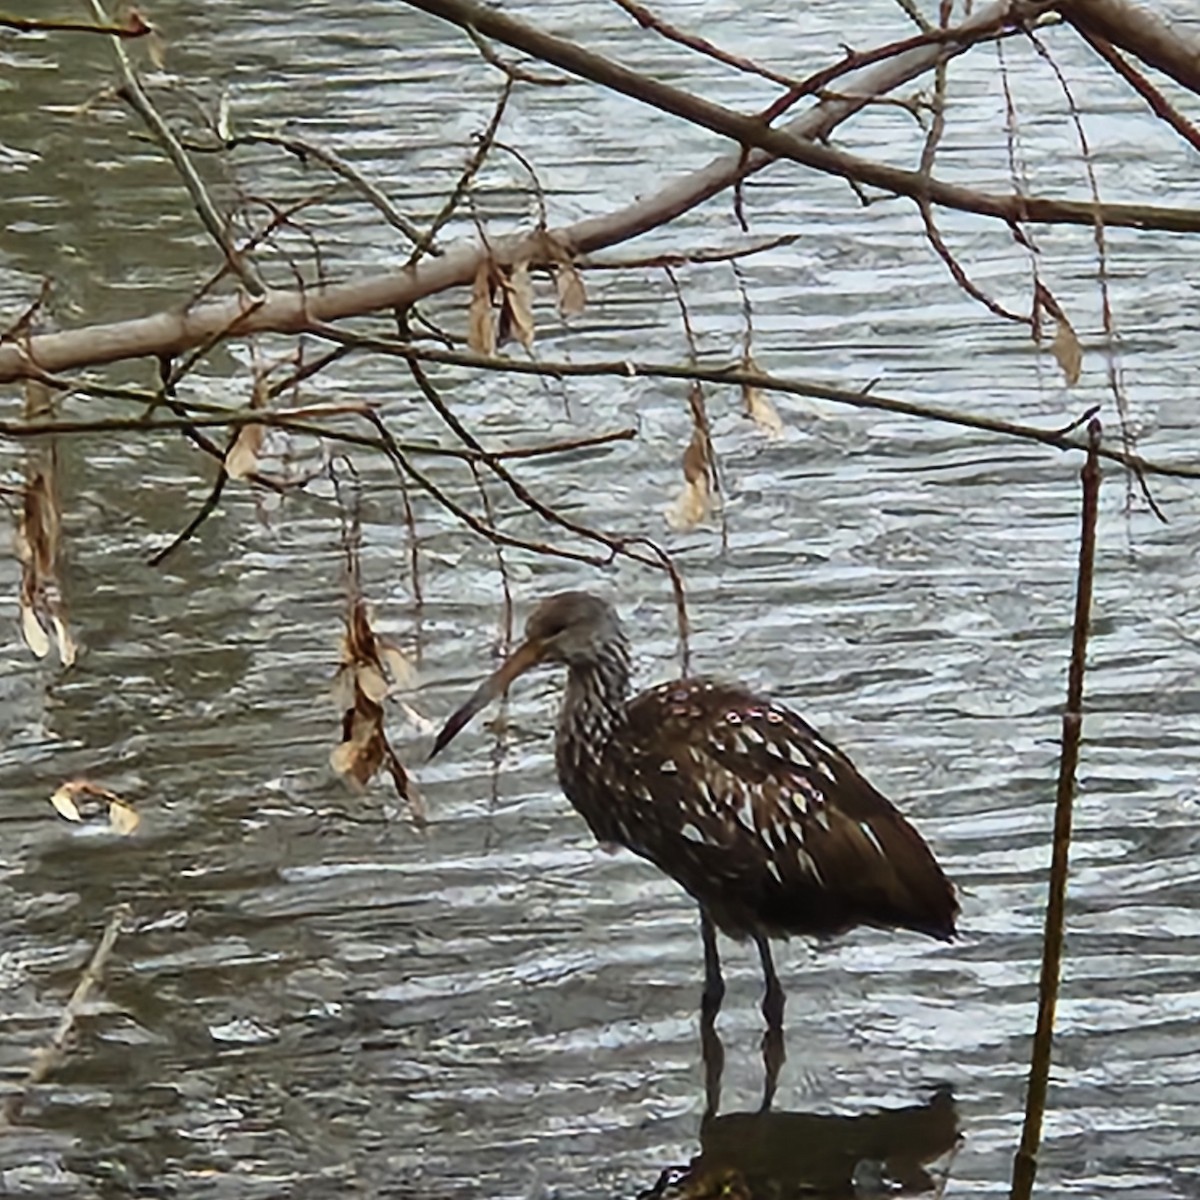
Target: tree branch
{"x": 1143, "y": 33}
{"x": 170, "y": 333}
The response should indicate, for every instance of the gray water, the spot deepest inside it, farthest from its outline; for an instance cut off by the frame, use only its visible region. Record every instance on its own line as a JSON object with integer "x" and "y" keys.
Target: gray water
{"x": 311, "y": 997}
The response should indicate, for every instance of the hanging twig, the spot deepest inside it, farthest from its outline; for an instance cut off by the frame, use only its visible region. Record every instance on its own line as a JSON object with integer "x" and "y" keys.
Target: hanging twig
{"x": 135, "y": 95}
{"x": 649, "y": 20}
{"x": 1025, "y": 1161}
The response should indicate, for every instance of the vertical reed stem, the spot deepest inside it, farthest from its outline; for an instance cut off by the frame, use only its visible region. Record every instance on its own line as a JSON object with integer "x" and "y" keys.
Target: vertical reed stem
{"x": 1025, "y": 1160}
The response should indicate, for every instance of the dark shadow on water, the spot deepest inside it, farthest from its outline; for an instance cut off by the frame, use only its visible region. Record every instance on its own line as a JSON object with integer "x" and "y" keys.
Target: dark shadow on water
{"x": 776, "y": 1155}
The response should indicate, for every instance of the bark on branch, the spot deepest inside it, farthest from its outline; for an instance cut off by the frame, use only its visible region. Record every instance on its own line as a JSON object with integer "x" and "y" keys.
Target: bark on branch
{"x": 1169, "y": 48}
{"x": 167, "y": 334}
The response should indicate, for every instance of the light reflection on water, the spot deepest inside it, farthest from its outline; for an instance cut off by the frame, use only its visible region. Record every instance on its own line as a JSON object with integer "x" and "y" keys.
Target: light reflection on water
{"x": 315, "y": 998}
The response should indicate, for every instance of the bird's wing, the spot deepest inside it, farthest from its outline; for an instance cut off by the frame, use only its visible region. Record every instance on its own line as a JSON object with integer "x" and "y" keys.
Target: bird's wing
{"x": 747, "y": 789}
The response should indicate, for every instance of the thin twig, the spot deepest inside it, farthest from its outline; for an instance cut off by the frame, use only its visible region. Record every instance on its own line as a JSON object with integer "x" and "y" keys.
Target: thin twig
{"x": 135, "y": 94}
{"x": 679, "y": 258}
{"x": 1025, "y": 1161}
{"x": 864, "y": 398}
{"x": 855, "y": 60}
{"x": 648, "y": 20}
{"x": 51, "y": 1056}
{"x": 134, "y": 27}
{"x": 303, "y": 149}
{"x": 928, "y": 153}
{"x": 1159, "y": 104}
{"x": 1115, "y": 384}
{"x": 206, "y": 509}
{"x": 516, "y": 73}
{"x": 469, "y": 172}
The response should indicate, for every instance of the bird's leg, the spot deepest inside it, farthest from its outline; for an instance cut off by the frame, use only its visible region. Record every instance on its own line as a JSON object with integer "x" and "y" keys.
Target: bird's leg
{"x": 713, "y": 1054}
{"x": 773, "y": 1050}
{"x": 714, "y": 985}
{"x": 773, "y": 998}
{"x": 711, "y": 1049}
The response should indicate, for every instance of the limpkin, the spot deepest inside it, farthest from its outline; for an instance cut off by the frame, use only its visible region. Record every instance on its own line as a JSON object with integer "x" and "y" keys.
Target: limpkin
{"x": 767, "y": 825}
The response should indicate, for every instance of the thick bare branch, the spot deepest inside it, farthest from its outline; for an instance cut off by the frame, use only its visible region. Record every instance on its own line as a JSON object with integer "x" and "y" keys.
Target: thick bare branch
{"x": 1133, "y": 27}
{"x": 168, "y": 334}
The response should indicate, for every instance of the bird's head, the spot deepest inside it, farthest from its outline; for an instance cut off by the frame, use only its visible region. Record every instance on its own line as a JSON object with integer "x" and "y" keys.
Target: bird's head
{"x": 573, "y": 628}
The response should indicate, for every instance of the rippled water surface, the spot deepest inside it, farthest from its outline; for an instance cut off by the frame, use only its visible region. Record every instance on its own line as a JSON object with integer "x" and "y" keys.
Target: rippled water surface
{"x": 313, "y": 999}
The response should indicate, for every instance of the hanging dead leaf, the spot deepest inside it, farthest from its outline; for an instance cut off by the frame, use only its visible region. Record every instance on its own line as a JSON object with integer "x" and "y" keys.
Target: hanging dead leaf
{"x": 572, "y": 294}
{"x": 1068, "y": 353}
{"x": 157, "y": 47}
{"x": 81, "y": 800}
{"x": 242, "y": 459}
{"x": 360, "y": 687}
{"x": 758, "y": 405}
{"x": 518, "y": 304}
{"x": 67, "y": 649}
{"x": 481, "y": 318}
{"x": 32, "y": 631}
{"x": 371, "y": 682}
{"x": 694, "y": 502}
{"x": 360, "y": 752}
{"x": 691, "y": 506}
{"x": 399, "y": 667}
{"x": 762, "y": 412}
{"x": 37, "y": 542}
{"x": 568, "y": 283}
{"x": 39, "y": 400}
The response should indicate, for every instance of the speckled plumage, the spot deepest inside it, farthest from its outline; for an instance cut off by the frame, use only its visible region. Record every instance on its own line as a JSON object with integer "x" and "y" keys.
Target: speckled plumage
{"x": 765, "y": 823}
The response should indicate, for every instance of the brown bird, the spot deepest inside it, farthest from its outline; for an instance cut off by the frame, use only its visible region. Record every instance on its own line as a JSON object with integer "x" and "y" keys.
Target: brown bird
{"x": 767, "y": 825}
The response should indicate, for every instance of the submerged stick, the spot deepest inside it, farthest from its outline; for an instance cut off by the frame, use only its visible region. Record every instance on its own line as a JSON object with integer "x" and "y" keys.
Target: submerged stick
{"x": 50, "y": 1057}
{"x": 1025, "y": 1160}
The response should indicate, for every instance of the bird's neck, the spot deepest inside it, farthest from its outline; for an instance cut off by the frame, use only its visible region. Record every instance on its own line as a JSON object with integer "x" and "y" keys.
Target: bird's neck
{"x": 594, "y": 703}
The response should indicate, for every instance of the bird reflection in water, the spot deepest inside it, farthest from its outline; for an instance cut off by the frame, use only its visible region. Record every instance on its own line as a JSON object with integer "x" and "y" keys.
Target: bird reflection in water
{"x": 766, "y": 824}
{"x": 781, "y": 1155}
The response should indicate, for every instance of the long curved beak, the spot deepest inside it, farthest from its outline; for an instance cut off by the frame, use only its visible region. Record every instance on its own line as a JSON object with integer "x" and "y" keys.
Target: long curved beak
{"x": 528, "y": 654}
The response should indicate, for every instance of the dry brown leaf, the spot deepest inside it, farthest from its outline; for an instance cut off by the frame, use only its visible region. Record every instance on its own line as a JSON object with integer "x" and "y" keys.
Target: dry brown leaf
{"x": 371, "y": 682}
{"x": 695, "y": 458}
{"x": 67, "y": 649}
{"x": 518, "y": 299}
{"x": 403, "y": 673}
{"x": 64, "y": 804}
{"x": 37, "y": 544}
{"x": 481, "y": 319}
{"x": 762, "y": 412}
{"x": 1068, "y": 353}
{"x": 691, "y": 506}
{"x": 81, "y": 800}
{"x": 123, "y": 818}
{"x": 39, "y": 400}
{"x": 694, "y": 502}
{"x": 342, "y": 690}
{"x": 31, "y": 629}
{"x": 568, "y": 283}
{"x": 342, "y": 756}
{"x": 360, "y": 754}
{"x": 157, "y": 48}
{"x": 242, "y": 458}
